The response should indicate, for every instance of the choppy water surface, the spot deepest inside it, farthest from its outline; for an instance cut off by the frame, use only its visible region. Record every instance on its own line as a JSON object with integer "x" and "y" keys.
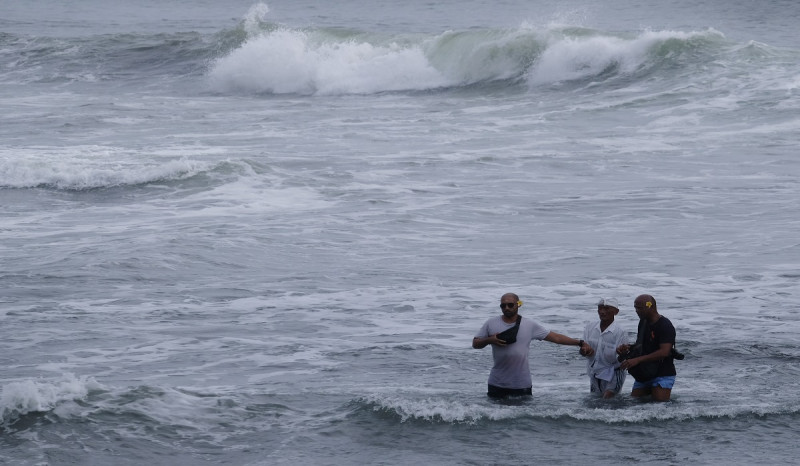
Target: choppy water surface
{"x": 266, "y": 233}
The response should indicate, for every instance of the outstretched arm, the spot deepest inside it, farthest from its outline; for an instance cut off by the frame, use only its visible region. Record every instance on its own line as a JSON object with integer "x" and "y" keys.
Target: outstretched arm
{"x": 560, "y": 339}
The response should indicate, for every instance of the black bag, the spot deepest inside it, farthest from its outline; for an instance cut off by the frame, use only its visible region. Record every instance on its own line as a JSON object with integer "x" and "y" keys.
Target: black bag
{"x": 644, "y": 371}
{"x": 510, "y": 336}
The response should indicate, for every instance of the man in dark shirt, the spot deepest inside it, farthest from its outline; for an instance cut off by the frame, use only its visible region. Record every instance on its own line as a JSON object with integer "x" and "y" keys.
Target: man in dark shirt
{"x": 657, "y": 335}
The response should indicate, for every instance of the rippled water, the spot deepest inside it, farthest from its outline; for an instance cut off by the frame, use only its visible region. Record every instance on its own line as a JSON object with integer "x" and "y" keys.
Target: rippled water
{"x": 266, "y": 233}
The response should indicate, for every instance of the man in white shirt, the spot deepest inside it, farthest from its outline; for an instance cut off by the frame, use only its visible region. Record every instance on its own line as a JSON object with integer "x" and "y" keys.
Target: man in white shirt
{"x": 604, "y": 336}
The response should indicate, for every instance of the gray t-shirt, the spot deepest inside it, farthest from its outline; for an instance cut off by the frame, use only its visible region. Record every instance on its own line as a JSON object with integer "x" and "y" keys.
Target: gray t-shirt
{"x": 511, "y": 368}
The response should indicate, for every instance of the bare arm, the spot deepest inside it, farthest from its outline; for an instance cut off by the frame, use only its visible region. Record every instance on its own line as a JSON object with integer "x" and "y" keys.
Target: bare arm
{"x": 664, "y": 350}
{"x": 560, "y": 339}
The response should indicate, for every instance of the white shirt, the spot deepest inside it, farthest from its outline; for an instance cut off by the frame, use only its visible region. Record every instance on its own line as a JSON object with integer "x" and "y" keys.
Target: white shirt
{"x": 604, "y": 360}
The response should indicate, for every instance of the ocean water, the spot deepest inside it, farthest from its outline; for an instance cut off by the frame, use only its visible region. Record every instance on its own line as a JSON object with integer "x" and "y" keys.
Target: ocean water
{"x": 265, "y": 233}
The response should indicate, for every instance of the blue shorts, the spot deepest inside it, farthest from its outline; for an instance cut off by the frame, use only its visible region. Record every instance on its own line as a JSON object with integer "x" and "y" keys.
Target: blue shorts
{"x": 666, "y": 381}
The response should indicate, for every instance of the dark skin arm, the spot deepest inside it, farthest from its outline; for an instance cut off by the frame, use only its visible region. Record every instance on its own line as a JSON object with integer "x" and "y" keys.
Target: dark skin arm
{"x": 664, "y": 350}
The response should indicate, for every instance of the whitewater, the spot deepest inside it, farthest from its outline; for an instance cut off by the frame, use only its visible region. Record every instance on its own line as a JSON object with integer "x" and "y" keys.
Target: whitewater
{"x": 266, "y": 233}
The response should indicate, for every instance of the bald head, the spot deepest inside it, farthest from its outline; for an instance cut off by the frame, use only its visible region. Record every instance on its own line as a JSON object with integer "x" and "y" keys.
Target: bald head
{"x": 645, "y": 301}
{"x": 645, "y": 307}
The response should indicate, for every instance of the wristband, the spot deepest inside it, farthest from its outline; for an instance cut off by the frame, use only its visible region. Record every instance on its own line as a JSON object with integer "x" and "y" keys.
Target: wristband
{"x": 580, "y": 343}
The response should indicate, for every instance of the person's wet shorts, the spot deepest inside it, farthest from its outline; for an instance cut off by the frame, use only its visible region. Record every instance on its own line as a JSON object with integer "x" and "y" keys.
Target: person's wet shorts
{"x": 666, "y": 381}
{"x": 500, "y": 392}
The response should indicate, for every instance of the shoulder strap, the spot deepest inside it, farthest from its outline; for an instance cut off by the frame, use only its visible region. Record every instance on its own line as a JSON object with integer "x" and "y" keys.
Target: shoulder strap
{"x": 519, "y": 319}
{"x": 643, "y": 329}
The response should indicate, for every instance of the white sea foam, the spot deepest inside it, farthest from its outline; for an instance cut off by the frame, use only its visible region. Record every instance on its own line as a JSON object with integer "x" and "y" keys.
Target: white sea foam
{"x": 269, "y": 276}
{"x": 285, "y": 60}
{"x": 255, "y": 17}
{"x": 30, "y": 396}
{"x": 289, "y": 61}
{"x": 573, "y": 58}
{"x": 560, "y": 404}
{"x": 87, "y": 167}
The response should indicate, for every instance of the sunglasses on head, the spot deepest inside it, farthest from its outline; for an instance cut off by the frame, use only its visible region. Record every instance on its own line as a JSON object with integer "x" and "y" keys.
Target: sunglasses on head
{"x": 507, "y": 305}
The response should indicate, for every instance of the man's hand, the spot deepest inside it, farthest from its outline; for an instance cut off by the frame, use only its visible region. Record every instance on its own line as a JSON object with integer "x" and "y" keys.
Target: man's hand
{"x": 628, "y": 363}
{"x": 479, "y": 343}
{"x": 496, "y": 341}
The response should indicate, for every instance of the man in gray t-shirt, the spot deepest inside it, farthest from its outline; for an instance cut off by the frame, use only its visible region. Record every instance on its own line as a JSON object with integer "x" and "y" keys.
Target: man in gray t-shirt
{"x": 511, "y": 374}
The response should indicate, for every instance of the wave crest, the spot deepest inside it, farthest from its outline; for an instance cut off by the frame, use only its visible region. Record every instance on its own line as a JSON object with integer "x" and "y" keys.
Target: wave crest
{"x": 29, "y": 396}
{"x": 279, "y": 60}
{"x": 444, "y": 409}
{"x": 288, "y": 61}
{"x": 93, "y": 168}
{"x": 593, "y": 56}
